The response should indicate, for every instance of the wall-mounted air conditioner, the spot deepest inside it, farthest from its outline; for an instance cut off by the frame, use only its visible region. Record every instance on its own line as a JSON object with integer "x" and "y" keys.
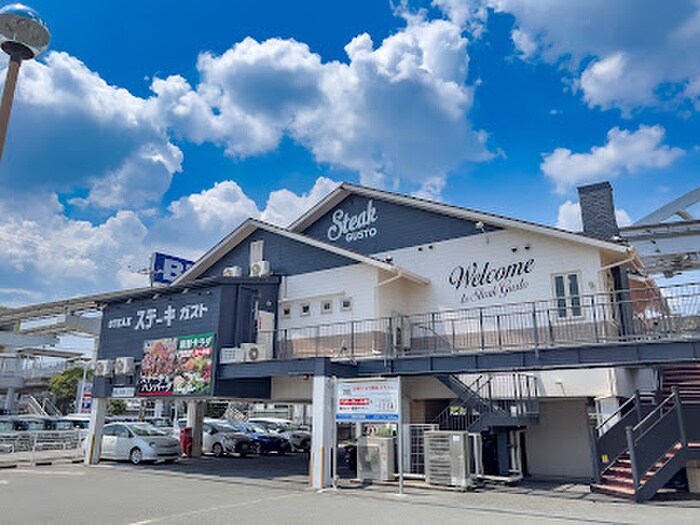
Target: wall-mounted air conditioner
{"x": 256, "y": 352}
{"x": 375, "y": 458}
{"x": 260, "y": 269}
{"x": 231, "y": 355}
{"x": 104, "y": 368}
{"x": 233, "y": 271}
{"x": 124, "y": 366}
{"x": 447, "y": 458}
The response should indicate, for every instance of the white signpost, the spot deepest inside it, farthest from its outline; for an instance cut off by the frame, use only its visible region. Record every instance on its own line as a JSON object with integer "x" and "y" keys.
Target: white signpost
{"x": 371, "y": 401}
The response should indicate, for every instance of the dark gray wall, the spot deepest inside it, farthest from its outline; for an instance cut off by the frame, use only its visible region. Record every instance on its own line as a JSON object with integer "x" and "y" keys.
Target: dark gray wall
{"x": 397, "y": 226}
{"x": 598, "y": 210}
{"x": 127, "y": 341}
{"x": 286, "y": 256}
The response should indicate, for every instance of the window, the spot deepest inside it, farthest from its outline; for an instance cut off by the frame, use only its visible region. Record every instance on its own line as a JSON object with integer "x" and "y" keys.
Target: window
{"x": 568, "y": 296}
{"x": 305, "y": 309}
{"x": 286, "y": 312}
{"x": 326, "y": 307}
{"x": 346, "y": 304}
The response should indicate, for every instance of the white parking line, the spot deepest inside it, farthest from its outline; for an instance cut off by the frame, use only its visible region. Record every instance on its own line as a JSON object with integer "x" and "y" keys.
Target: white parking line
{"x": 210, "y": 509}
{"x": 46, "y": 472}
{"x": 4, "y": 482}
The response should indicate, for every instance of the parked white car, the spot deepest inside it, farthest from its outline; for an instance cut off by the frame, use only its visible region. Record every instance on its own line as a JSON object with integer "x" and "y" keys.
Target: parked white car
{"x": 138, "y": 442}
{"x": 298, "y": 437}
{"x": 219, "y": 438}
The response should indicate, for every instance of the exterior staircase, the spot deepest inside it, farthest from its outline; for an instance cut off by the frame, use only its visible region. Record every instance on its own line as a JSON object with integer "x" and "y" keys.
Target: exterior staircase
{"x": 685, "y": 377}
{"x": 490, "y": 401}
{"x": 640, "y": 447}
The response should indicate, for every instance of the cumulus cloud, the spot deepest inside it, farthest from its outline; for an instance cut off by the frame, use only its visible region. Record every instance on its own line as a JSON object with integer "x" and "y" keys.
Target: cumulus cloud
{"x": 284, "y": 206}
{"x": 398, "y": 110}
{"x": 72, "y": 131}
{"x": 54, "y": 256}
{"x": 569, "y": 217}
{"x": 625, "y": 152}
{"x": 623, "y": 54}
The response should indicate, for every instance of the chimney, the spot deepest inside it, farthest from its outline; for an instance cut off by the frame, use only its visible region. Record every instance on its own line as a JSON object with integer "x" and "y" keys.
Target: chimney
{"x": 598, "y": 210}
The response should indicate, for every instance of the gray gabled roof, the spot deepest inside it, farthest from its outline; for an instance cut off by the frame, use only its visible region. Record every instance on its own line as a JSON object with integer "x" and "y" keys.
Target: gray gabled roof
{"x": 346, "y": 188}
{"x": 250, "y": 225}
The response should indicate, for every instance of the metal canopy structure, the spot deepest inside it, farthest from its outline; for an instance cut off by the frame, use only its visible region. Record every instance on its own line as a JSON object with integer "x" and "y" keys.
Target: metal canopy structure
{"x": 668, "y": 247}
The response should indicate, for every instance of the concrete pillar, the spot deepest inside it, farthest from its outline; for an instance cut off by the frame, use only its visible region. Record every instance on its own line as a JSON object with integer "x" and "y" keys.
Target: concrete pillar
{"x": 195, "y": 420}
{"x": 93, "y": 442}
{"x": 322, "y": 446}
{"x": 10, "y": 400}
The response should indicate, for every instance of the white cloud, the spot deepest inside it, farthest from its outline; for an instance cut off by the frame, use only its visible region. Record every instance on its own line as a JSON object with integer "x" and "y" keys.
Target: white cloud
{"x": 71, "y": 131}
{"x": 625, "y": 151}
{"x": 284, "y": 206}
{"x": 569, "y": 217}
{"x": 350, "y": 114}
{"x": 622, "y": 54}
{"x": 57, "y": 257}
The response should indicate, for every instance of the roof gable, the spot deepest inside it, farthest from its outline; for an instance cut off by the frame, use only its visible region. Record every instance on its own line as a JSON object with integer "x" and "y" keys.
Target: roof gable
{"x": 289, "y": 253}
{"x": 371, "y": 225}
{"x": 314, "y": 220}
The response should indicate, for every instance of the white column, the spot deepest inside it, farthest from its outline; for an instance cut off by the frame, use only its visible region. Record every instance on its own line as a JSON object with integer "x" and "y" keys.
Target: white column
{"x": 94, "y": 438}
{"x": 195, "y": 420}
{"x": 605, "y": 407}
{"x": 322, "y": 446}
{"x": 158, "y": 410}
{"x": 10, "y": 400}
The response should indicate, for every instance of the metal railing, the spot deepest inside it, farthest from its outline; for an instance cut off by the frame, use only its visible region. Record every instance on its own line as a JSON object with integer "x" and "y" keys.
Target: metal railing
{"x": 41, "y": 445}
{"x": 13, "y": 367}
{"x": 640, "y": 314}
{"x": 503, "y": 396}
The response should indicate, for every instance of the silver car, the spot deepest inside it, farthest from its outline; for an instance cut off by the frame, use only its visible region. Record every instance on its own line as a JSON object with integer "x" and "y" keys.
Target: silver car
{"x": 138, "y": 442}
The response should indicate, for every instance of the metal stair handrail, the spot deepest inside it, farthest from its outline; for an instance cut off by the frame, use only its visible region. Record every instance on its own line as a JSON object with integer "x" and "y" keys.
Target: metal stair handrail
{"x": 650, "y": 431}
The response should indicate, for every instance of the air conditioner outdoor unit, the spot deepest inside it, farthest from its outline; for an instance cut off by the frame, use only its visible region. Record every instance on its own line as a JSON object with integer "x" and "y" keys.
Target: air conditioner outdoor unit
{"x": 447, "y": 458}
{"x": 260, "y": 269}
{"x": 104, "y": 368}
{"x": 233, "y": 271}
{"x": 256, "y": 352}
{"x": 124, "y": 366}
{"x": 375, "y": 458}
{"x": 232, "y": 355}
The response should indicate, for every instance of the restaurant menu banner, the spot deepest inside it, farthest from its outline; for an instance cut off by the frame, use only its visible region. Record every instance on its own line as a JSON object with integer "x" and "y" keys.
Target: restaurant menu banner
{"x": 179, "y": 366}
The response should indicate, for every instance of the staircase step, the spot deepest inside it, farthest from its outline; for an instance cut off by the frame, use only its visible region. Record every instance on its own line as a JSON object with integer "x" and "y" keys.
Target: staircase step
{"x": 613, "y": 490}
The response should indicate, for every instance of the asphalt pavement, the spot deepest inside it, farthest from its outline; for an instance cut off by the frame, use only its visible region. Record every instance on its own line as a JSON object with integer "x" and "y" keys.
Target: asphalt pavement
{"x": 273, "y": 490}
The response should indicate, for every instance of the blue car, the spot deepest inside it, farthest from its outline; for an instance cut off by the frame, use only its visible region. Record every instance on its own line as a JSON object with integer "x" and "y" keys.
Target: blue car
{"x": 263, "y": 441}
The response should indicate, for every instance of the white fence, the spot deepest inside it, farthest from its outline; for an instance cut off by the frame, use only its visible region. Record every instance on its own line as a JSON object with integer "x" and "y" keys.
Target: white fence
{"x": 41, "y": 446}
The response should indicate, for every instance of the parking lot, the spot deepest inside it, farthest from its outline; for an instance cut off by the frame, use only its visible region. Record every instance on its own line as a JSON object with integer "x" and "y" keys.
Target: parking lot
{"x": 271, "y": 489}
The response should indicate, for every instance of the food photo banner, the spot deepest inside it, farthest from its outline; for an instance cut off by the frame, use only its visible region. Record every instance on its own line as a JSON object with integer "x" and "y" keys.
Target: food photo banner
{"x": 177, "y": 366}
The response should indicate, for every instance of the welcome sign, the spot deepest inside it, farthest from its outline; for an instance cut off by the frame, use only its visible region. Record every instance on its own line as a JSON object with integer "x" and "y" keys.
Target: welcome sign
{"x": 480, "y": 281}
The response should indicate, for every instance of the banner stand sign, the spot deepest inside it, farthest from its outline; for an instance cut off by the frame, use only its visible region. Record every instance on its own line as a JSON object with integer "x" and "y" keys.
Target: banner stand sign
{"x": 371, "y": 401}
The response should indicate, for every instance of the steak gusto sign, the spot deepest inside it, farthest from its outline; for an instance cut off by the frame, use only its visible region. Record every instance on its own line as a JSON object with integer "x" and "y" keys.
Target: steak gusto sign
{"x": 477, "y": 282}
{"x": 353, "y": 227}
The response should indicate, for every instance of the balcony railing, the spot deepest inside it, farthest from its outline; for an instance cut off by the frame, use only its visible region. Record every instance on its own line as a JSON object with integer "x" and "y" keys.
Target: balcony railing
{"x": 638, "y": 314}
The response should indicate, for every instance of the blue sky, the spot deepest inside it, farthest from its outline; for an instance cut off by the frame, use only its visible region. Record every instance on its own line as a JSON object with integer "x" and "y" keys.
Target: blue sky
{"x": 161, "y": 125}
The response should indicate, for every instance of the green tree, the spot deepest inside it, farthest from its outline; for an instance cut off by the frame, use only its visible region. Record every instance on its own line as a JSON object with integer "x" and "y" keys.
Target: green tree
{"x": 64, "y": 387}
{"x": 117, "y": 407}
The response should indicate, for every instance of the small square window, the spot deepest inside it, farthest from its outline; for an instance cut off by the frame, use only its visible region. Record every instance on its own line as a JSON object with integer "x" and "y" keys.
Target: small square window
{"x": 346, "y": 304}
{"x": 305, "y": 309}
{"x": 327, "y": 307}
{"x": 286, "y": 312}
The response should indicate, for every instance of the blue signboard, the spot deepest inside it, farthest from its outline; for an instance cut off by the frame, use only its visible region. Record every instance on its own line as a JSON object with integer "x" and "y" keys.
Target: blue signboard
{"x": 166, "y": 268}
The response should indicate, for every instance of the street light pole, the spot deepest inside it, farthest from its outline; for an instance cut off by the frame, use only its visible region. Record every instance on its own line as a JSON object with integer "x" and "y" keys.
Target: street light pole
{"x": 23, "y": 36}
